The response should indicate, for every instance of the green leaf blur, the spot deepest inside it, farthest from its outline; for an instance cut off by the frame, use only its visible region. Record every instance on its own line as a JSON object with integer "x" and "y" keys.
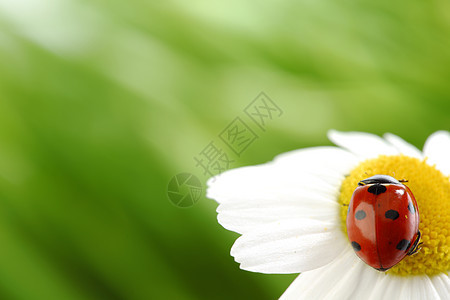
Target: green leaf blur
{"x": 102, "y": 102}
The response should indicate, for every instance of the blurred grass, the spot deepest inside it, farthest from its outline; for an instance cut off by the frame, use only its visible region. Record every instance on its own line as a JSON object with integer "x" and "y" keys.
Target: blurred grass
{"x": 101, "y": 103}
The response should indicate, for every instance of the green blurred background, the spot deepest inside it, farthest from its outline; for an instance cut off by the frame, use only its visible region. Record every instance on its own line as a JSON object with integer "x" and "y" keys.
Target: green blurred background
{"x": 102, "y": 102}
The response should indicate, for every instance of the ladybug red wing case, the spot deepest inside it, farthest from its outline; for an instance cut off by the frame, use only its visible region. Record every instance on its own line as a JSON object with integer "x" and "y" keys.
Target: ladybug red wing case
{"x": 383, "y": 221}
{"x": 361, "y": 226}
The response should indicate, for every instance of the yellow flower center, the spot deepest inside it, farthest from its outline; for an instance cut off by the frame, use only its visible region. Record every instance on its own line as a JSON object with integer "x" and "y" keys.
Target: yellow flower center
{"x": 432, "y": 192}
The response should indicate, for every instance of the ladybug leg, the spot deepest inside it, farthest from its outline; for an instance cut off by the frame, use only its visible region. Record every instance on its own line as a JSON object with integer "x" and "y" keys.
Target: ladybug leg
{"x": 403, "y": 180}
{"x": 416, "y": 249}
{"x": 343, "y": 204}
{"x": 416, "y": 245}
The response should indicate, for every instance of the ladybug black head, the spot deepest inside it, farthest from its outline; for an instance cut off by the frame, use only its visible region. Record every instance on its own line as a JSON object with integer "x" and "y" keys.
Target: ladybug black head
{"x": 379, "y": 179}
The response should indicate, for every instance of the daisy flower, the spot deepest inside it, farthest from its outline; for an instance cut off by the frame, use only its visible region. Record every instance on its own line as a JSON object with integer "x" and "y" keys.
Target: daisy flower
{"x": 291, "y": 215}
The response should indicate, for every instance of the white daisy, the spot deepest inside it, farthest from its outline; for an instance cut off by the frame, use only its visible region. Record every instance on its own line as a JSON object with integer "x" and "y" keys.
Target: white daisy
{"x": 291, "y": 219}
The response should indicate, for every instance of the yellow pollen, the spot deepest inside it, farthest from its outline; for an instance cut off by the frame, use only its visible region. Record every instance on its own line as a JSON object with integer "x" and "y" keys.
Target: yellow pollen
{"x": 432, "y": 192}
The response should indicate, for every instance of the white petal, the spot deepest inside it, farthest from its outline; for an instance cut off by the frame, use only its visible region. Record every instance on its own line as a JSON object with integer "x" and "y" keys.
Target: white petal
{"x": 345, "y": 287}
{"x": 289, "y": 246}
{"x": 441, "y": 283}
{"x": 379, "y": 289}
{"x": 333, "y": 159}
{"x": 370, "y": 282}
{"x": 364, "y": 145}
{"x": 249, "y": 182}
{"x": 243, "y": 215}
{"x": 319, "y": 168}
{"x": 347, "y": 277}
{"x": 437, "y": 149}
{"x": 402, "y": 146}
{"x": 419, "y": 288}
{"x": 389, "y": 287}
{"x": 302, "y": 183}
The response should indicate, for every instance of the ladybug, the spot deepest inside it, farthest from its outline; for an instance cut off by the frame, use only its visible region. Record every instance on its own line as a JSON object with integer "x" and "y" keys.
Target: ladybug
{"x": 383, "y": 222}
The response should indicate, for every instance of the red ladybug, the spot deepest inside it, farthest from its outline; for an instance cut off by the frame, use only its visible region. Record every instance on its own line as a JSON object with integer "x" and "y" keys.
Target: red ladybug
{"x": 383, "y": 222}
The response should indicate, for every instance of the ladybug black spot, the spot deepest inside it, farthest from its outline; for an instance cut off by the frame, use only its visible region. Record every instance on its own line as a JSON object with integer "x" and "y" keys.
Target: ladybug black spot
{"x": 356, "y": 246}
{"x": 360, "y": 214}
{"x": 403, "y": 245}
{"x": 377, "y": 189}
{"x": 411, "y": 207}
{"x": 391, "y": 214}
